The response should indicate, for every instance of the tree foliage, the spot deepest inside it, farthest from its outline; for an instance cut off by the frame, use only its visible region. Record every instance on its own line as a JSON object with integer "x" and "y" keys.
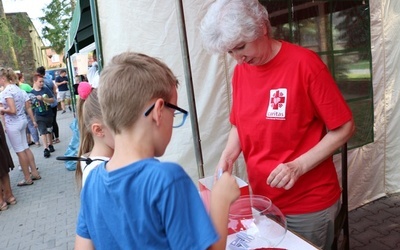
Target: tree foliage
{"x": 354, "y": 27}
{"x": 57, "y": 18}
{"x": 9, "y": 38}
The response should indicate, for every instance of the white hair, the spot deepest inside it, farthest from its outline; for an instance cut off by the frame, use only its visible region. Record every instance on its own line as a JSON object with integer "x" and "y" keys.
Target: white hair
{"x": 230, "y": 22}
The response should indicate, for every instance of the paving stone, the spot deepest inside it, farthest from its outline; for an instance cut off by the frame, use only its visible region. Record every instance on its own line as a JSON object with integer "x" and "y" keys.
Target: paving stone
{"x": 373, "y": 245}
{"x": 46, "y": 210}
{"x": 375, "y": 226}
{"x": 375, "y": 206}
{"x": 358, "y": 214}
{"x": 392, "y": 239}
{"x": 354, "y": 243}
{"x": 363, "y": 224}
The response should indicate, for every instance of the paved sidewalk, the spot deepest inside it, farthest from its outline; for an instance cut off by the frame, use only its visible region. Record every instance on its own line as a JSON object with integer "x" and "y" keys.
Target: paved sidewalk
{"x": 376, "y": 225}
{"x": 45, "y": 215}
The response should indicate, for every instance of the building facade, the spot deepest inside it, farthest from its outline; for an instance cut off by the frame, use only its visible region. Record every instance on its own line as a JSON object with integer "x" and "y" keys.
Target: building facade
{"x": 29, "y": 48}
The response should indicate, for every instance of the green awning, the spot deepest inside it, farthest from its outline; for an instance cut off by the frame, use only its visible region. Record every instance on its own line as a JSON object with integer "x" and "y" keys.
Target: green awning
{"x": 81, "y": 28}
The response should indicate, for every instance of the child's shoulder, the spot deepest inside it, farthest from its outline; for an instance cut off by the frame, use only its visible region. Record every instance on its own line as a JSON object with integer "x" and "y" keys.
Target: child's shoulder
{"x": 160, "y": 169}
{"x": 161, "y": 166}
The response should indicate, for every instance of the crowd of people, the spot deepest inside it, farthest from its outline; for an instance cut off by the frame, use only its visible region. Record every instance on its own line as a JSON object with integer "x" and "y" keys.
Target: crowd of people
{"x": 28, "y": 117}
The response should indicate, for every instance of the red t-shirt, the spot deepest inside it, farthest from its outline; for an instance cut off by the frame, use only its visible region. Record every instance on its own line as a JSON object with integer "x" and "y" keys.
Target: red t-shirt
{"x": 281, "y": 110}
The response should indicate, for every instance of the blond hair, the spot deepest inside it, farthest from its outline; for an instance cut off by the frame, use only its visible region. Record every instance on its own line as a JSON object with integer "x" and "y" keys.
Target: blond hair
{"x": 88, "y": 113}
{"x": 128, "y": 83}
{"x": 9, "y": 74}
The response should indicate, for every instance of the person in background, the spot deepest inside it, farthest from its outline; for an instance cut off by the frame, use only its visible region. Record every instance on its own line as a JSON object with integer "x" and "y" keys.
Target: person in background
{"x": 31, "y": 131}
{"x": 6, "y": 165}
{"x": 64, "y": 95}
{"x": 21, "y": 83}
{"x": 14, "y": 104}
{"x": 78, "y": 80}
{"x": 42, "y": 97}
{"x": 288, "y": 117}
{"x": 48, "y": 82}
{"x": 96, "y": 141}
{"x": 156, "y": 205}
{"x": 93, "y": 72}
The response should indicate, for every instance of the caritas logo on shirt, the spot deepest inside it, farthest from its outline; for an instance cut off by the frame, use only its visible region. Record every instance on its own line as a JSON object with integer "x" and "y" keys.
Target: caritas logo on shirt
{"x": 277, "y": 104}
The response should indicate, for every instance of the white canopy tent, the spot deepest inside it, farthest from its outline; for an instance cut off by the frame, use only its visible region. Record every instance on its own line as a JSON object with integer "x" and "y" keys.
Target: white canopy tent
{"x": 152, "y": 27}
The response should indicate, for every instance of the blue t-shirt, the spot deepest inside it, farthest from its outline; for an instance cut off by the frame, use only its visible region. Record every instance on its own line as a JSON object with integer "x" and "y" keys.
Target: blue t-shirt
{"x": 50, "y": 84}
{"x": 40, "y": 107}
{"x": 146, "y": 205}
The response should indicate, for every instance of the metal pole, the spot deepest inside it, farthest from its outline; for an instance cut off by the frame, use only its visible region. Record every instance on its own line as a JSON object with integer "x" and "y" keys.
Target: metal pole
{"x": 71, "y": 75}
{"x": 189, "y": 88}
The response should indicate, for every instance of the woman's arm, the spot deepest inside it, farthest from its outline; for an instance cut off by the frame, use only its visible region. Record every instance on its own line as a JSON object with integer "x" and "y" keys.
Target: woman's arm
{"x": 231, "y": 152}
{"x": 3, "y": 121}
{"x": 28, "y": 108}
{"x": 11, "y": 110}
{"x": 286, "y": 174}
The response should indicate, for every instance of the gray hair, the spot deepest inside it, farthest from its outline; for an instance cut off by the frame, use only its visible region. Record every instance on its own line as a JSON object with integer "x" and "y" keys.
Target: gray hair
{"x": 230, "y": 22}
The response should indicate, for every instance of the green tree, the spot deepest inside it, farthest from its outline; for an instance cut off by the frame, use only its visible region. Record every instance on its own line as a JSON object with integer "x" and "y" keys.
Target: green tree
{"x": 354, "y": 27}
{"x": 57, "y": 18}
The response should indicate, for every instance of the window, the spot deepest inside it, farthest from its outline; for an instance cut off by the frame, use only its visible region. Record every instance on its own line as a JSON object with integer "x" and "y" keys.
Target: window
{"x": 339, "y": 31}
{"x": 55, "y": 58}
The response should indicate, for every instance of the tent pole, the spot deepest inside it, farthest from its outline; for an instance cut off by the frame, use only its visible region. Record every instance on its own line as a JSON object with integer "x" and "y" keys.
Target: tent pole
{"x": 70, "y": 69}
{"x": 189, "y": 88}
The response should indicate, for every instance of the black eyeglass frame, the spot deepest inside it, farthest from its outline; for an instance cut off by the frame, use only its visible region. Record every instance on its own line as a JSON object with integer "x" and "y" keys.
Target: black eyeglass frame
{"x": 172, "y": 106}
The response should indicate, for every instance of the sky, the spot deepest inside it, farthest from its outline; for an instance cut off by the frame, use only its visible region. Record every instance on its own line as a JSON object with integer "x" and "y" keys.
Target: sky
{"x": 32, "y": 7}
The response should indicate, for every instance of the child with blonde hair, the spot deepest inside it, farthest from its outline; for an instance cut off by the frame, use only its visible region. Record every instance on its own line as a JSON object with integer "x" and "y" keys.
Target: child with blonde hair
{"x": 96, "y": 142}
{"x": 134, "y": 200}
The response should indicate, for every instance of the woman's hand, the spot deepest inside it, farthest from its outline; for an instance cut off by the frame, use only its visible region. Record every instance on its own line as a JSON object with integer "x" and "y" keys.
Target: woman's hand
{"x": 285, "y": 175}
{"x": 223, "y": 166}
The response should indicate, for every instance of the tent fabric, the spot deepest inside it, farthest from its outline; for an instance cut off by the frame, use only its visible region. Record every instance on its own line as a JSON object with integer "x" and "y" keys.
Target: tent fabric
{"x": 387, "y": 83}
{"x": 156, "y": 33}
{"x": 151, "y": 27}
{"x": 81, "y": 29}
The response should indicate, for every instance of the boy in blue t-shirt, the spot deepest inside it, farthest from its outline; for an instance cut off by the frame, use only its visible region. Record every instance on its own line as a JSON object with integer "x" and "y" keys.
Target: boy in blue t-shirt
{"x": 135, "y": 201}
{"x": 42, "y": 97}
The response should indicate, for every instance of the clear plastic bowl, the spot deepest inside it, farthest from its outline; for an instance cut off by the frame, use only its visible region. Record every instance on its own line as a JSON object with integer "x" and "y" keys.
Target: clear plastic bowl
{"x": 258, "y": 221}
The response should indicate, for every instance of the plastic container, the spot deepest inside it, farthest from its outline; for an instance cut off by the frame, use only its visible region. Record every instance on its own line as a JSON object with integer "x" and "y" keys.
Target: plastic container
{"x": 256, "y": 222}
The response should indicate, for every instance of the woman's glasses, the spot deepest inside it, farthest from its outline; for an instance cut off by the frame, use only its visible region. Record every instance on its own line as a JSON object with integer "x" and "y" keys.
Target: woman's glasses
{"x": 180, "y": 114}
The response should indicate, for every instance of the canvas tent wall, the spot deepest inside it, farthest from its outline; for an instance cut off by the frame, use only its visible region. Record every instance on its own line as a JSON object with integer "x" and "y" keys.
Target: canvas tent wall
{"x": 152, "y": 27}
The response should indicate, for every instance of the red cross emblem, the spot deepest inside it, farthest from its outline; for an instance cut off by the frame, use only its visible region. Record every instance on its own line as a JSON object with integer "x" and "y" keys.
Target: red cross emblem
{"x": 277, "y": 100}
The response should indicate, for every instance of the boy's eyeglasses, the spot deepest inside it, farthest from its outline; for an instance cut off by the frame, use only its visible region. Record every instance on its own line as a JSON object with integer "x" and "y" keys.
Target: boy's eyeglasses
{"x": 180, "y": 114}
